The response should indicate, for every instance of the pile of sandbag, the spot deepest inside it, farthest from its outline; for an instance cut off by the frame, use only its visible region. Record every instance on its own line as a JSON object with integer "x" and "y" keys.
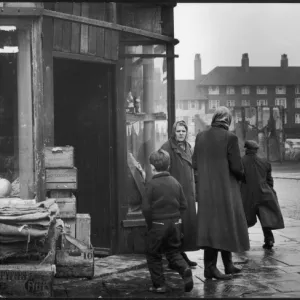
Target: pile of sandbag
{"x": 25, "y": 226}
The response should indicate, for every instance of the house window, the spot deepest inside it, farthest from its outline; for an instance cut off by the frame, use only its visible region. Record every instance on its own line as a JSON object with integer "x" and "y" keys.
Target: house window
{"x": 245, "y": 102}
{"x": 297, "y": 102}
{"x": 261, "y": 90}
{"x": 280, "y": 101}
{"x": 262, "y": 102}
{"x": 213, "y": 90}
{"x": 245, "y": 90}
{"x": 230, "y": 103}
{"x": 193, "y": 104}
{"x": 297, "y": 118}
{"x": 230, "y": 90}
{"x": 297, "y": 89}
{"x": 214, "y": 104}
{"x": 280, "y": 90}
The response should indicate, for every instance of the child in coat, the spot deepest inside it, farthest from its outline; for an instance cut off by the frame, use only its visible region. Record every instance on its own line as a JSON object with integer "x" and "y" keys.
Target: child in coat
{"x": 162, "y": 208}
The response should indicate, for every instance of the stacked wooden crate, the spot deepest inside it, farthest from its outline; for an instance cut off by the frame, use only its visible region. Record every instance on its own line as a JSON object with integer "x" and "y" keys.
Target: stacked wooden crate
{"x": 61, "y": 180}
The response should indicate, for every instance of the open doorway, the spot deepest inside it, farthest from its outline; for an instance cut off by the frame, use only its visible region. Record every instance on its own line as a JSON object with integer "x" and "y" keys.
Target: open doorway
{"x": 82, "y": 119}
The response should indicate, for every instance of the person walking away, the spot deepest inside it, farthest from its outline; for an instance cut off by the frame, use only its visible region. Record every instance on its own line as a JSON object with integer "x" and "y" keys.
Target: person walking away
{"x": 180, "y": 152}
{"x": 162, "y": 208}
{"x": 221, "y": 219}
{"x": 258, "y": 194}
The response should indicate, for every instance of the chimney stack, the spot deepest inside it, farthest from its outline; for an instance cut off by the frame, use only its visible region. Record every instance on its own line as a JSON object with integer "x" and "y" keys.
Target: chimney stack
{"x": 284, "y": 61}
{"x": 245, "y": 62}
{"x": 197, "y": 68}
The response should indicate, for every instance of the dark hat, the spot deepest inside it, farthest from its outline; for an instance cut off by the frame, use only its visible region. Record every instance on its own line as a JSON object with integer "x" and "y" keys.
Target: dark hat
{"x": 251, "y": 144}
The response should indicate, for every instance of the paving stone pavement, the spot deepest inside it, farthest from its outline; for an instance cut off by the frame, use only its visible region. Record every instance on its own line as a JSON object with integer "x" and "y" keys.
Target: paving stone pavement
{"x": 265, "y": 273}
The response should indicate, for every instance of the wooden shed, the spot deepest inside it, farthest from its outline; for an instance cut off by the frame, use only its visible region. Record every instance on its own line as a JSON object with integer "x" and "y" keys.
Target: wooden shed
{"x": 98, "y": 76}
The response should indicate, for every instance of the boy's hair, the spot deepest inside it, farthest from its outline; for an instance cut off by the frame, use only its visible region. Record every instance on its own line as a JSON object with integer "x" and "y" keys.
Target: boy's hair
{"x": 160, "y": 160}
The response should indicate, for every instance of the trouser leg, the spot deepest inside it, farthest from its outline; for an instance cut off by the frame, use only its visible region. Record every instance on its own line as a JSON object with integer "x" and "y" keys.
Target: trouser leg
{"x": 268, "y": 235}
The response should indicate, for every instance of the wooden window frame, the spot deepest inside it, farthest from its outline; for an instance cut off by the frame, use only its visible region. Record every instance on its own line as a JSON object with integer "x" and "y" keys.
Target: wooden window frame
{"x": 30, "y": 106}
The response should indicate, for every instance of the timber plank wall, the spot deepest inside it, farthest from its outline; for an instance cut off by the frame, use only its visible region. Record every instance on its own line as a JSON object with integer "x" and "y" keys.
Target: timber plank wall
{"x": 75, "y": 38}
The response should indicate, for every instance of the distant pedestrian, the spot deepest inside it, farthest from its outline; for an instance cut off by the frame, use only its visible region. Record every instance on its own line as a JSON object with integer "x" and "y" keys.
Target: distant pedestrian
{"x": 221, "y": 220}
{"x": 180, "y": 152}
{"x": 162, "y": 207}
{"x": 258, "y": 194}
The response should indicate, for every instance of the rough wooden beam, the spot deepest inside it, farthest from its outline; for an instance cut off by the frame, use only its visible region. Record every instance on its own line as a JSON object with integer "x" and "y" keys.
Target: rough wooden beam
{"x": 37, "y": 89}
{"x": 108, "y": 25}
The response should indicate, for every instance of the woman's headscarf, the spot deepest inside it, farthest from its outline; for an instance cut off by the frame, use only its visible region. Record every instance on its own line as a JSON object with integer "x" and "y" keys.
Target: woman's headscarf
{"x": 221, "y": 118}
{"x": 173, "y": 135}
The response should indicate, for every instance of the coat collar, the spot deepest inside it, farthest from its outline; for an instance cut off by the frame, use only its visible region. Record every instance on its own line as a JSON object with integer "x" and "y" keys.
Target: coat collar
{"x": 186, "y": 155}
{"x": 165, "y": 173}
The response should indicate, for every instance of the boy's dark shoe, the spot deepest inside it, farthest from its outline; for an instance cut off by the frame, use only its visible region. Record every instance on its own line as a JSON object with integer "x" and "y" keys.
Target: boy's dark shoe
{"x": 161, "y": 289}
{"x": 187, "y": 277}
{"x": 268, "y": 245}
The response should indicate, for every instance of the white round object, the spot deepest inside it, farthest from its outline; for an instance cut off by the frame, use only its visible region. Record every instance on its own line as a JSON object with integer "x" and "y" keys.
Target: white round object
{"x": 5, "y": 187}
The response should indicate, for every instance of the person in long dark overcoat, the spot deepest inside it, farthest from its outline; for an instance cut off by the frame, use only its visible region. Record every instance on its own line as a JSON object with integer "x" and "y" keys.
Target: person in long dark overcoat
{"x": 180, "y": 152}
{"x": 221, "y": 221}
{"x": 258, "y": 194}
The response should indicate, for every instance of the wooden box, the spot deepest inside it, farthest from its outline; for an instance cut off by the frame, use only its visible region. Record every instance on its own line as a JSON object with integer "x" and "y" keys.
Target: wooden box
{"x": 83, "y": 228}
{"x": 27, "y": 280}
{"x": 59, "y": 157}
{"x": 67, "y": 207}
{"x": 74, "y": 258}
{"x": 70, "y": 226}
{"x": 57, "y": 179}
{"x": 60, "y": 194}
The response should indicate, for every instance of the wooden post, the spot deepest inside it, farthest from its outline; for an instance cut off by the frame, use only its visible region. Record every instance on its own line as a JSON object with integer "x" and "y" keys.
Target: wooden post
{"x": 37, "y": 88}
{"x": 48, "y": 78}
{"x": 25, "y": 115}
{"x": 148, "y": 105}
{"x": 167, "y": 15}
{"x": 170, "y": 88}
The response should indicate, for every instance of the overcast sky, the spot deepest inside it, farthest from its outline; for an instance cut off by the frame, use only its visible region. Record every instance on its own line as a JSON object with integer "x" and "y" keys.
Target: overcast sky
{"x": 222, "y": 32}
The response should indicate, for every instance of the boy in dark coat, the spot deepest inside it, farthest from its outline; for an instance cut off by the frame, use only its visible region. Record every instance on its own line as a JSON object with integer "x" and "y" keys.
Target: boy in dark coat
{"x": 162, "y": 207}
{"x": 259, "y": 197}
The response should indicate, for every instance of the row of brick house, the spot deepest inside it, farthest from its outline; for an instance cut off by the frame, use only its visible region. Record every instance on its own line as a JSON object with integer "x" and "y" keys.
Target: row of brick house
{"x": 241, "y": 86}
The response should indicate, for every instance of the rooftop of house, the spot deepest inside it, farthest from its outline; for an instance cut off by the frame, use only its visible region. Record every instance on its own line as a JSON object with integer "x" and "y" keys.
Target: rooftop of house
{"x": 187, "y": 89}
{"x": 254, "y": 76}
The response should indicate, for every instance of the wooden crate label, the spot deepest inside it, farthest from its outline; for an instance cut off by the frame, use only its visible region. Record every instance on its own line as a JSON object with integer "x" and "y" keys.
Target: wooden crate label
{"x": 61, "y": 175}
{"x": 61, "y": 186}
{"x": 67, "y": 207}
{"x": 83, "y": 228}
{"x": 59, "y": 157}
{"x": 26, "y": 280}
{"x": 60, "y": 194}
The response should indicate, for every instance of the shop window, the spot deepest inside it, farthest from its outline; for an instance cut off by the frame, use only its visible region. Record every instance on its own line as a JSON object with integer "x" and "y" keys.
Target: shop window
{"x": 145, "y": 96}
{"x": 16, "y": 144}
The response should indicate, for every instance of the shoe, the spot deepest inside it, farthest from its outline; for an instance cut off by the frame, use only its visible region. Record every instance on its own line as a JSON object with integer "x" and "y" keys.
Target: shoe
{"x": 231, "y": 269}
{"x": 213, "y": 272}
{"x": 160, "y": 289}
{"x": 189, "y": 262}
{"x": 268, "y": 245}
{"x": 188, "y": 280}
{"x": 228, "y": 264}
